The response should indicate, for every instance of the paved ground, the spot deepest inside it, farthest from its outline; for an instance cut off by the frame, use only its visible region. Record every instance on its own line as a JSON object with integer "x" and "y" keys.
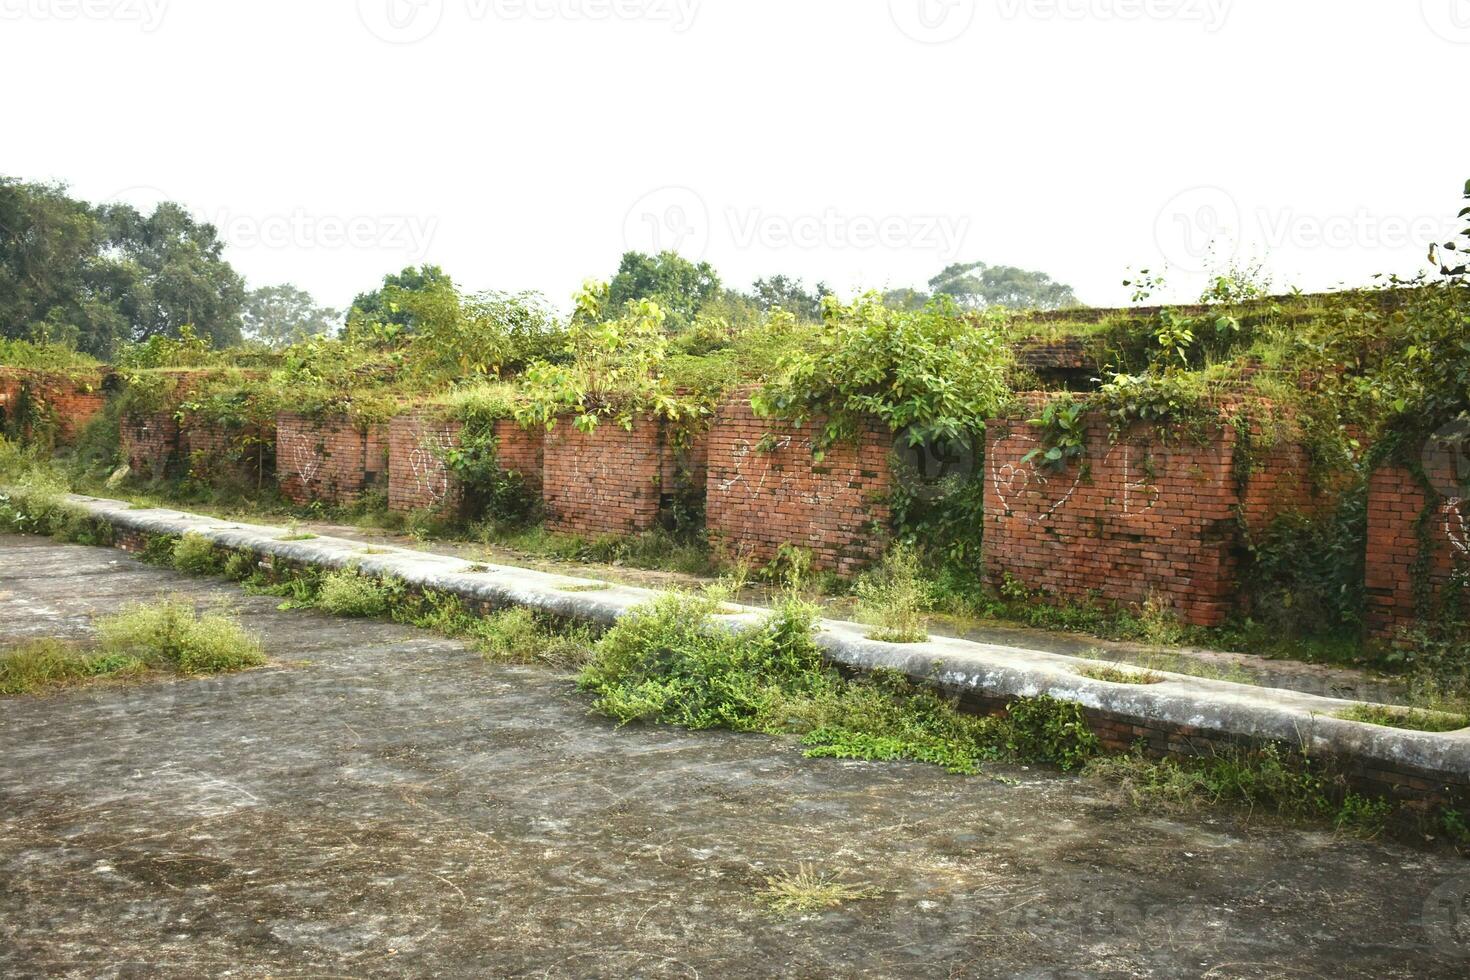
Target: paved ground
{"x": 381, "y": 802}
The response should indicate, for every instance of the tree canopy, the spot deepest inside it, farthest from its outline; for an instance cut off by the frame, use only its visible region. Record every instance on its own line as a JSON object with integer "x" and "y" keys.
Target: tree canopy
{"x": 681, "y": 288}
{"x": 283, "y": 315}
{"x": 93, "y": 277}
{"x": 975, "y": 286}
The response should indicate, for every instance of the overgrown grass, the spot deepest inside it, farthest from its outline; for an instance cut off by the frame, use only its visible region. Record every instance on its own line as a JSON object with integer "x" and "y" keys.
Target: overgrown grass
{"x": 167, "y": 635}
{"x": 808, "y": 890}
{"x": 171, "y": 635}
{"x": 1405, "y": 718}
{"x": 893, "y": 598}
{"x": 1267, "y": 780}
{"x": 348, "y": 592}
{"x": 34, "y": 665}
{"x": 668, "y": 662}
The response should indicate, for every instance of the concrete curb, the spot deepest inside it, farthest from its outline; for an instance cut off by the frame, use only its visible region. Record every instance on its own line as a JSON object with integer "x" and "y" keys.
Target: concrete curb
{"x": 1218, "y": 710}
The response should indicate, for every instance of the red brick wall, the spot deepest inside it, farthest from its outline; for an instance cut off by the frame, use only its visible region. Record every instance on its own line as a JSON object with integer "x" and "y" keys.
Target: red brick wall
{"x": 70, "y": 400}
{"x": 521, "y": 451}
{"x": 1396, "y": 501}
{"x": 150, "y": 443}
{"x": 757, "y": 501}
{"x": 216, "y": 453}
{"x": 9, "y": 402}
{"x": 417, "y": 476}
{"x": 418, "y": 479}
{"x": 1137, "y": 519}
{"x": 322, "y": 459}
{"x": 608, "y": 481}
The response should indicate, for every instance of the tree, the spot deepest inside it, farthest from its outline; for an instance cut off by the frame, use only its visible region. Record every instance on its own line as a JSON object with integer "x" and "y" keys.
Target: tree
{"x": 680, "y": 287}
{"x": 790, "y": 295}
{"x": 172, "y": 272}
{"x": 378, "y": 306}
{"x": 96, "y": 277}
{"x": 283, "y": 315}
{"x": 977, "y": 285}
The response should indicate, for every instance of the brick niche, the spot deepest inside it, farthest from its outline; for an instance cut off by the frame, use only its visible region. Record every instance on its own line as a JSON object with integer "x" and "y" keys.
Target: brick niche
{"x": 417, "y": 477}
{"x": 766, "y": 490}
{"x": 1397, "y": 503}
{"x": 149, "y": 443}
{"x": 613, "y": 480}
{"x": 332, "y": 459}
{"x": 1137, "y": 517}
{"x": 222, "y": 454}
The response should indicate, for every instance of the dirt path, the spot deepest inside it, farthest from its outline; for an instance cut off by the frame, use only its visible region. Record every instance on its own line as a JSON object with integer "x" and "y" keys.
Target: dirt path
{"x": 380, "y": 802}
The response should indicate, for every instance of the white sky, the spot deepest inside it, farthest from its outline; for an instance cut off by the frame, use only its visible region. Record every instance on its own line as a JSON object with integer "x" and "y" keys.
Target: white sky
{"x": 528, "y": 143}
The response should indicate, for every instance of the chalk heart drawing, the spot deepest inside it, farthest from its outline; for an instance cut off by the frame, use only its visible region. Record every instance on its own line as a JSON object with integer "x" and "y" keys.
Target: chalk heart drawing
{"x": 749, "y": 458}
{"x": 1013, "y": 480}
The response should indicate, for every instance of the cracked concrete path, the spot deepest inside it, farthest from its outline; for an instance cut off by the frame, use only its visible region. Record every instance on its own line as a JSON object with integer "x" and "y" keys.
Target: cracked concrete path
{"x": 381, "y": 802}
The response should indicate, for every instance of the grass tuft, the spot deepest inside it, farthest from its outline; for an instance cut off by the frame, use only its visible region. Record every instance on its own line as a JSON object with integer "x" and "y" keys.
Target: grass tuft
{"x": 808, "y": 890}
{"x": 1119, "y": 675}
{"x": 171, "y": 635}
{"x": 35, "y": 665}
{"x": 1410, "y": 719}
{"x": 893, "y": 598}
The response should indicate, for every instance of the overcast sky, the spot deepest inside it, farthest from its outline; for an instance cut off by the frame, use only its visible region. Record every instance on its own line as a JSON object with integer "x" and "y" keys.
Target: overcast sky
{"x": 525, "y": 144}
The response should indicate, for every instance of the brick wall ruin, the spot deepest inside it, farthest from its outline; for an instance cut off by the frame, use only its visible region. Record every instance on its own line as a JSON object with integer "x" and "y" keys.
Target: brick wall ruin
{"x": 331, "y": 459}
{"x": 65, "y": 402}
{"x": 418, "y": 478}
{"x": 1412, "y": 580}
{"x": 610, "y": 480}
{"x": 768, "y": 491}
{"x": 1137, "y": 518}
{"x": 149, "y": 442}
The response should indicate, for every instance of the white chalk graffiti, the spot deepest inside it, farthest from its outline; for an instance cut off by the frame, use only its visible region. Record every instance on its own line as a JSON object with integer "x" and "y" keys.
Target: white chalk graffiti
{"x": 1149, "y": 491}
{"x": 303, "y": 457}
{"x": 1011, "y": 480}
{"x": 784, "y": 480}
{"x": 426, "y": 462}
{"x": 1455, "y": 525}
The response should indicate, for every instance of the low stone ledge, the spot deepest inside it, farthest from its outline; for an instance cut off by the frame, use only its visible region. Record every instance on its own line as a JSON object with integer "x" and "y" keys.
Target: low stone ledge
{"x": 1180, "y": 708}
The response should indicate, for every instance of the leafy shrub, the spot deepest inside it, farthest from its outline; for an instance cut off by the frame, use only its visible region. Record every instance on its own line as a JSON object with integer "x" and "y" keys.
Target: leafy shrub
{"x": 932, "y": 373}
{"x": 667, "y": 662}
{"x": 348, "y": 592}
{"x": 170, "y": 634}
{"x": 197, "y": 555}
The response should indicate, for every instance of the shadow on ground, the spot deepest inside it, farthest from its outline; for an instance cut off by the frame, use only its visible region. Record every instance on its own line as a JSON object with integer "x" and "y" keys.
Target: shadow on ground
{"x": 381, "y": 802}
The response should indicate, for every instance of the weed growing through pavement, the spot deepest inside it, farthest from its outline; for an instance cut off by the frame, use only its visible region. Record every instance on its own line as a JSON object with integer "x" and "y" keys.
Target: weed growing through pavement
{"x": 1406, "y": 718}
{"x": 808, "y": 890}
{"x": 1119, "y": 675}
{"x": 167, "y": 635}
